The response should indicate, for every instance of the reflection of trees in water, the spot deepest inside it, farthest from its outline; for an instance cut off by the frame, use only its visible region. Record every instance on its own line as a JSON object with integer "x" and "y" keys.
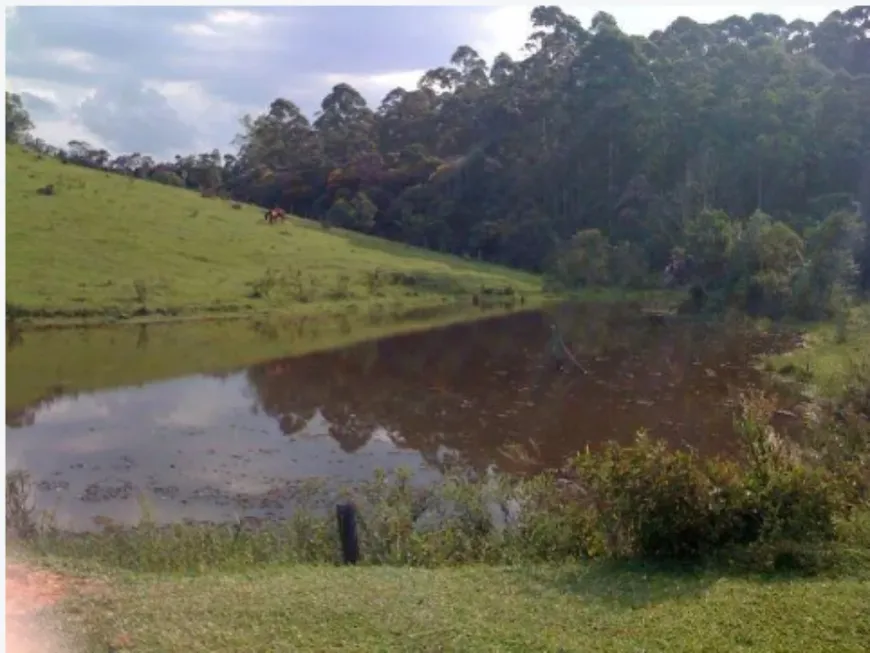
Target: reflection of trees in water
{"x": 18, "y": 418}
{"x": 265, "y": 329}
{"x": 350, "y": 430}
{"x": 417, "y": 385}
{"x": 14, "y": 336}
{"x": 142, "y": 337}
{"x": 487, "y": 391}
{"x": 26, "y": 416}
{"x": 292, "y": 424}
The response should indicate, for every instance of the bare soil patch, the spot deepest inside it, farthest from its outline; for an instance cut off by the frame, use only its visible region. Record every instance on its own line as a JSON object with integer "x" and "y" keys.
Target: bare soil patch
{"x": 31, "y": 624}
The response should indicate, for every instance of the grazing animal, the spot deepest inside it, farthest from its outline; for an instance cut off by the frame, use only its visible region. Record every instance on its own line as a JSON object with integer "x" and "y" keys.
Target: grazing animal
{"x": 273, "y": 215}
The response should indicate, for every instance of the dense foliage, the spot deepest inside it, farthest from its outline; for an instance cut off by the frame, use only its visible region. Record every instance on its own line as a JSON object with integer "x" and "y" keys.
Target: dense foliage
{"x": 601, "y": 158}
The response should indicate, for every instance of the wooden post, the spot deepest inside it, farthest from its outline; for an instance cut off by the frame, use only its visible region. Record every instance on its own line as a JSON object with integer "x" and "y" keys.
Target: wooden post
{"x": 347, "y": 533}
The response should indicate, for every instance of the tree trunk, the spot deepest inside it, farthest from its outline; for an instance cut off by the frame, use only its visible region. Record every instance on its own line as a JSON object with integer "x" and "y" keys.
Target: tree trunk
{"x": 759, "y": 189}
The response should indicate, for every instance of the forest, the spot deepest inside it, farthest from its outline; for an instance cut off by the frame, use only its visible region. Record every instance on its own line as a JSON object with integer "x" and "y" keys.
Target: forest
{"x": 731, "y": 157}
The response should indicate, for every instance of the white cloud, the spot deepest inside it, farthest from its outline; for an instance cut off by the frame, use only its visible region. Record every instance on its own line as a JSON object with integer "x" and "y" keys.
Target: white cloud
{"x": 75, "y": 59}
{"x": 210, "y": 114}
{"x": 194, "y": 29}
{"x": 184, "y": 96}
{"x": 504, "y": 29}
{"x": 61, "y": 132}
{"x": 236, "y": 17}
{"x": 67, "y": 98}
{"x": 231, "y": 27}
{"x": 375, "y": 87}
{"x": 64, "y": 95}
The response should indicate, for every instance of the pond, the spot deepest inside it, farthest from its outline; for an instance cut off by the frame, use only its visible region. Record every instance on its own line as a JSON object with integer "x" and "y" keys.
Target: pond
{"x": 215, "y": 445}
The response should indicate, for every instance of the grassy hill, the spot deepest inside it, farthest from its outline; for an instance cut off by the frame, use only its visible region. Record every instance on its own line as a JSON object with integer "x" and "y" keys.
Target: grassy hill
{"x": 104, "y": 246}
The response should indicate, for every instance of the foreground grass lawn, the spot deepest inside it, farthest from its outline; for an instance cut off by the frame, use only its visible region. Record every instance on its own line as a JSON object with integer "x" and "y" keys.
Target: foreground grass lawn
{"x": 106, "y": 244}
{"x": 473, "y": 609}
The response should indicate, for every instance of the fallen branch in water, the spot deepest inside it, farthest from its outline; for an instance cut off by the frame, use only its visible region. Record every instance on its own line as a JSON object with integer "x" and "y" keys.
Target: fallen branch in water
{"x": 568, "y": 351}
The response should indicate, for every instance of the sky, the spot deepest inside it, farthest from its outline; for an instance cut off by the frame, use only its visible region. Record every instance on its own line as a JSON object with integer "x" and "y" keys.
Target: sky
{"x": 176, "y": 80}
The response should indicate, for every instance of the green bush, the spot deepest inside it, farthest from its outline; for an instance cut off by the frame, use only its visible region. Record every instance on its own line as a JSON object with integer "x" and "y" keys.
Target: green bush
{"x": 628, "y": 265}
{"x": 650, "y": 502}
{"x": 582, "y": 261}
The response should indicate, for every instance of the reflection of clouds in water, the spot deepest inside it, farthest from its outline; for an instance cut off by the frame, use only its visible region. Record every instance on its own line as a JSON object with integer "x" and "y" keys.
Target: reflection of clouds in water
{"x": 90, "y": 442}
{"x": 230, "y": 480}
{"x": 75, "y": 515}
{"x": 79, "y": 409}
{"x": 445, "y": 454}
{"x": 192, "y": 439}
{"x": 317, "y": 426}
{"x": 380, "y": 434}
{"x": 14, "y": 459}
{"x": 206, "y": 403}
{"x": 96, "y": 430}
{"x": 189, "y": 402}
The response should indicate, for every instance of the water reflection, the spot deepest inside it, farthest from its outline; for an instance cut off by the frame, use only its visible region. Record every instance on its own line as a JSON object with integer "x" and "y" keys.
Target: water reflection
{"x": 490, "y": 389}
{"x": 479, "y": 394}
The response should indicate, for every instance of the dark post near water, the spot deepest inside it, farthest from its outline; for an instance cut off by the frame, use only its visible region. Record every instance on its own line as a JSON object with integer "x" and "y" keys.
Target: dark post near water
{"x": 346, "y": 513}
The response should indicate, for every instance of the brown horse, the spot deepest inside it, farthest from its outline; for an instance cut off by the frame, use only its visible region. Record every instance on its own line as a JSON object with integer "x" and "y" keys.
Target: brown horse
{"x": 273, "y": 215}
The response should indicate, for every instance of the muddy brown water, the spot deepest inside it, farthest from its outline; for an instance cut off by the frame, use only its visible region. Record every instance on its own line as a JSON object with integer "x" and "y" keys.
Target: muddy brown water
{"x": 488, "y": 394}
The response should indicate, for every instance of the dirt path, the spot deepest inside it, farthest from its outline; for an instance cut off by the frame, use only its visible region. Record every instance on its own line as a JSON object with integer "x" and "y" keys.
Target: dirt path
{"x": 29, "y": 593}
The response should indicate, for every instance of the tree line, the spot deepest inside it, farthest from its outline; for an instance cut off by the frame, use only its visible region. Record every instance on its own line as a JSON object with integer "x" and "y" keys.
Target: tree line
{"x": 734, "y": 154}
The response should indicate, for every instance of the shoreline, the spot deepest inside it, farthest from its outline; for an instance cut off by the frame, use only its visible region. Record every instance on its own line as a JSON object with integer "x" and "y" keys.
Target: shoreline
{"x": 37, "y": 319}
{"x": 328, "y": 311}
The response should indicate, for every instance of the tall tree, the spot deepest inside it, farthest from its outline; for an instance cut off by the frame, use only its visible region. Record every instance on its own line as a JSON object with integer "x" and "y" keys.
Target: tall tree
{"x": 18, "y": 122}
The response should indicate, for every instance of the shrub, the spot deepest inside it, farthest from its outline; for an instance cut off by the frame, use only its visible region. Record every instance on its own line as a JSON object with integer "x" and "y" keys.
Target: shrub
{"x": 582, "y": 261}
{"x": 765, "y": 261}
{"x": 628, "y": 266}
{"x": 341, "y": 214}
{"x": 164, "y": 176}
{"x": 556, "y": 522}
{"x": 831, "y": 269}
{"x": 20, "y": 520}
{"x": 655, "y": 502}
{"x": 652, "y": 502}
{"x": 710, "y": 239}
{"x": 262, "y": 287}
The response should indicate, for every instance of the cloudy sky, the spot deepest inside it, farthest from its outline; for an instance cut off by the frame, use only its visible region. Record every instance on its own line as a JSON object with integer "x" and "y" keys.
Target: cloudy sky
{"x": 167, "y": 80}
